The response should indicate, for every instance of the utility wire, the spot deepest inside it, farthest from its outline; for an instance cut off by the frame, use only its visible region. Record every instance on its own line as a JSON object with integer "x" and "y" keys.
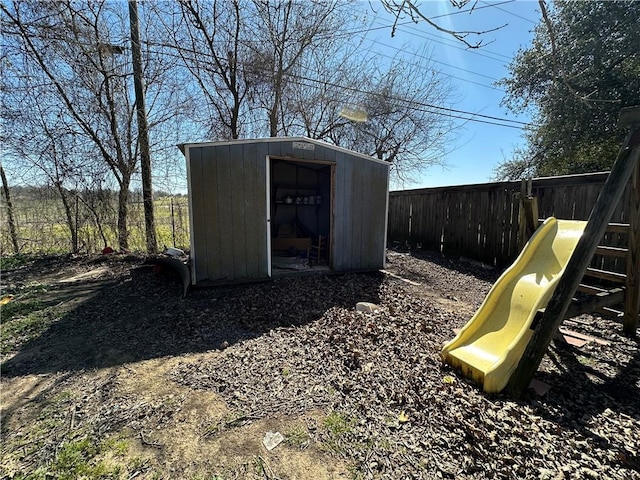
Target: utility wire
{"x": 433, "y": 61}
{"x": 482, "y": 52}
{"x": 471, "y": 9}
{"x": 415, "y": 31}
{"x": 401, "y": 60}
{"x": 412, "y": 22}
{"x": 436, "y": 109}
{"x": 497, "y": 6}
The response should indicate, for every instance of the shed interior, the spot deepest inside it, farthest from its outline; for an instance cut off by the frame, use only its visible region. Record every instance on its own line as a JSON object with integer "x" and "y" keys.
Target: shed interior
{"x": 301, "y": 202}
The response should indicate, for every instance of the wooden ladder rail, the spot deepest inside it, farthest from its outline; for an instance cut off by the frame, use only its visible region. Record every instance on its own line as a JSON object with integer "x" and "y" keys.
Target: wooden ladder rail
{"x": 598, "y": 298}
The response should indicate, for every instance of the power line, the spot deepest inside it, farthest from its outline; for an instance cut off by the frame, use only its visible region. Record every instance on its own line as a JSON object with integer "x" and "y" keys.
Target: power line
{"x": 436, "y": 109}
{"x": 435, "y": 61}
{"x": 491, "y": 87}
{"x": 496, "y": 6}
{"x": 430, "y": 37}
{"x": 471, "y": 9}
{"x": 411, "y": 25}
{"x": 482, "y": 51}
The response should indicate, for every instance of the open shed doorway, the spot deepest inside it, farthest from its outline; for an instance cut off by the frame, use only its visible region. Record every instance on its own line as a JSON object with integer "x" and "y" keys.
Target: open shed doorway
{"x": 300, "y": 212}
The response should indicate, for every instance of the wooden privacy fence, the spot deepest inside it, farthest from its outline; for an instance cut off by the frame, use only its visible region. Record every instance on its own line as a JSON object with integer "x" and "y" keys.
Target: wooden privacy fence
{"x": 481, "y": 221}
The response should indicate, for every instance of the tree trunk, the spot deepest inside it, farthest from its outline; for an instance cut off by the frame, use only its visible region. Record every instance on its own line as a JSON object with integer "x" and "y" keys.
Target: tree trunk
{"x": 123, "y": 207}
{"x": 143, "y": 130}
{"x": 273, "y": 115}
{"x": 69, "y": 216}
{"x": 11, "y": 221}
{"x": 96, "y": 218}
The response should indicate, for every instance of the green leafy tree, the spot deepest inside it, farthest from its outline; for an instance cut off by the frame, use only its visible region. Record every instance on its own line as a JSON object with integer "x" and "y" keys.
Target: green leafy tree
{"x": 581, "y": 69}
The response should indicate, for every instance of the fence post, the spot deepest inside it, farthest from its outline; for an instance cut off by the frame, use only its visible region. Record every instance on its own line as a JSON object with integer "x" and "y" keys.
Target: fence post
{"x": 173, "y": 223}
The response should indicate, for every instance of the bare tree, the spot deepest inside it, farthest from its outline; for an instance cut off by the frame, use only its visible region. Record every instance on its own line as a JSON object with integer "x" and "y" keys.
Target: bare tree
{"x": 242, "y": 55}
{"x": 47, "y": 151}
{"x": 416, "y": 12}
{"x": 300, "y": 64}
{"x": 313, "y": 107}
{"x": 406, "y": 124}
{"x": 10, "y": 220}
{"x": 44, "y": 147}
{"x": 7, "y": 115}
{"x": 207, "y": 37}
{"x": 73, "y": 56}
{"x": 395, "y": 111}
{"x": 286, "y": 33}
{"x": 78, "y": 54}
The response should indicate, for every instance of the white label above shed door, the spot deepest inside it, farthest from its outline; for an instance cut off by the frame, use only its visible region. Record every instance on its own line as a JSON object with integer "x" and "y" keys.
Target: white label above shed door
{"x": 303, "y": 146}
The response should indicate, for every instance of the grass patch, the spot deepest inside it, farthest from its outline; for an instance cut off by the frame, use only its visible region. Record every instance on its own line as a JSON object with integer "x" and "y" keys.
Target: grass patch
{"x": 78, "y": 459}
{"x": 25, "y": 317}
{"x": 9, "y": 262}
{"x": 24, "y": 455}
{"x": 338, "y": 424}
{"x": 297, "y": 437}
{"x": 587, "y": 361}
{"x": 17, "y": 309}
{"x": 48, "y": 449}
{"x": 23, "y": 322}
{"x": 338, "y": 428}
{"x": 20, "y": 293}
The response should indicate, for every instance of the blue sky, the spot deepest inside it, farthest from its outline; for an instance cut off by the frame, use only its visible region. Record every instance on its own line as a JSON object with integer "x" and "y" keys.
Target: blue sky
{"x": 477, "y": 148}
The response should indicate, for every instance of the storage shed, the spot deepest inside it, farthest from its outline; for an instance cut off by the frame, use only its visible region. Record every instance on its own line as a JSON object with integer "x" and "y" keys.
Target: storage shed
{"x": 263, "y": 207}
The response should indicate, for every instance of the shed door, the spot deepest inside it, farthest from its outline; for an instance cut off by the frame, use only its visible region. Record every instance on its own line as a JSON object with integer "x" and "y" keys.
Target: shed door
{"x": 268, "y": 215}
{"x": 299, "y": 212}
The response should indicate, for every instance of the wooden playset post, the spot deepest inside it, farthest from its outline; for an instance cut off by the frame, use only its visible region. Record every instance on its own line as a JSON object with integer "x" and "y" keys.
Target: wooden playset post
{"x": 528, "y": 213}
{"x": 632, "y": 288}
{"x": 606, "y": 203}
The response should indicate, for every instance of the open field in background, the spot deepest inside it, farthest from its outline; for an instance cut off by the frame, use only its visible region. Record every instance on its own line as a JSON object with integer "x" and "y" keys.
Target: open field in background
{"x": 42, "y": 227}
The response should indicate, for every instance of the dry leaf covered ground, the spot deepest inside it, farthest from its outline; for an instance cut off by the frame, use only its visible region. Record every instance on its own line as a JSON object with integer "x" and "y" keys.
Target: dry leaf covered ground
{"x": 109, "y": 373}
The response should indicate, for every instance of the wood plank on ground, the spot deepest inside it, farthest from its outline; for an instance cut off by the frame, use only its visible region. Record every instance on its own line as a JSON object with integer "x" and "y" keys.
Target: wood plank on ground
{"x": 398, "y": 277}
{"x": 587, "y": 338}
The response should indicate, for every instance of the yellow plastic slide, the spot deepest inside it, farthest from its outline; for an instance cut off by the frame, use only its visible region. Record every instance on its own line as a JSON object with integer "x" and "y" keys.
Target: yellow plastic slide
{"x": 491, "y": 344}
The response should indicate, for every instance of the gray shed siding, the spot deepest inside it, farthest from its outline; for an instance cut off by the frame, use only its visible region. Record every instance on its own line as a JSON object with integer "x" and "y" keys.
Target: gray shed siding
{"x": 227, "y": 196}
{"x": 228, "y": 207}
{"x": 360, "y": 214}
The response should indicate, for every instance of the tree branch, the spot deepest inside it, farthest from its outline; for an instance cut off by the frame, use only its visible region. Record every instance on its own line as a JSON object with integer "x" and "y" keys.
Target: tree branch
{"x": 415, "y": 13}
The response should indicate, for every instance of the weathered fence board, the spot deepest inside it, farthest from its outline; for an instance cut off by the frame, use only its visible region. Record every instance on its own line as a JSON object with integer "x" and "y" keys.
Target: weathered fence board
{"x": 481, "y": 221}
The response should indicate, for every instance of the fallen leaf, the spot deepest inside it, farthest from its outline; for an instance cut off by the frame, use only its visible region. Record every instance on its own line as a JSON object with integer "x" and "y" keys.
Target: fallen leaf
{"x": 403, "y": 417}
{"x": 6, "y": 299}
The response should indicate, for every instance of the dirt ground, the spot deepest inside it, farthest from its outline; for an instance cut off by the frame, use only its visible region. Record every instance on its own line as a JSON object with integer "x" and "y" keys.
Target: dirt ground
{"x": 107, "y": 372}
